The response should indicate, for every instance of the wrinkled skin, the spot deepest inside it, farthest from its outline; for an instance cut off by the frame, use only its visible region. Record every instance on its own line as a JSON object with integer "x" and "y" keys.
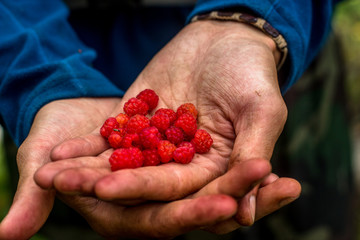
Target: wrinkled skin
{"x": 228, "y": 70}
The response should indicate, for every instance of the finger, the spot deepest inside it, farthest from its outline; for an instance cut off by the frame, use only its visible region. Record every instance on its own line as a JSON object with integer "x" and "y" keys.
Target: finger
{"x": 239, "y": 180}
{"x": 272, "y": 177}
{"x": 45, "y": 175}
{"x": 157, "y": 220}
{"x": 245, "y": 215}
{"x": 29, "y": 210}
{"x": 247, "y": 205}
{"x": 270, "y": 198}
{"x": 165, "y": 182}
{"x": 82, "y": 183}
{"x": 82, "y": 180}
{"x": 88, "y": 145}
{"x": 276, "y": 195}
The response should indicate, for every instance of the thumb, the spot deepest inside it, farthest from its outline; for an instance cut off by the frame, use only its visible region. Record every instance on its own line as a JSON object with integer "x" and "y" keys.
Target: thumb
{"x": 257, "y": 132}
{"x": 30, "y": 208}
{"x": 31, "y": 205}
{"x": 258, "y": 129}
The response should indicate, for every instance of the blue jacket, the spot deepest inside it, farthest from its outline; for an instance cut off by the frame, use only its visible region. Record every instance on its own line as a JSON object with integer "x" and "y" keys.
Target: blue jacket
{"x": 45, "y": 56}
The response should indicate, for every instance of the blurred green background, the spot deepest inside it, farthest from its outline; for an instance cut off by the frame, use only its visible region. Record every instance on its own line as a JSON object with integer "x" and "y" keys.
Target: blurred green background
{"x": 5, "y": 197}
{"x": 346, "y": 26}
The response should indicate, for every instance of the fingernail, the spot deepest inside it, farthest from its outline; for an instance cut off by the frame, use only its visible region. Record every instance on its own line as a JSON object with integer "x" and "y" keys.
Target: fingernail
{"x": 252, "y": 207}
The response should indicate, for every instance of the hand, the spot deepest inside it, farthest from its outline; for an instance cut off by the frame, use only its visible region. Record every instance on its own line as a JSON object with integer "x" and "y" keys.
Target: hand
{"x": 212, "y": 211}
{"x": 54, "y": 123}
{"x": 228, "y": 70}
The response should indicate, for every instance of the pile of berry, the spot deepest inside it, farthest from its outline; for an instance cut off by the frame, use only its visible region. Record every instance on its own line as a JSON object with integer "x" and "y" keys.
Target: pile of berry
{"x": 164, "y": 137}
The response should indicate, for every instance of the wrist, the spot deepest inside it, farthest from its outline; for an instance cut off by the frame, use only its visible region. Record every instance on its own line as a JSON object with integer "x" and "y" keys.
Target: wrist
{"x": 253, "y": 28}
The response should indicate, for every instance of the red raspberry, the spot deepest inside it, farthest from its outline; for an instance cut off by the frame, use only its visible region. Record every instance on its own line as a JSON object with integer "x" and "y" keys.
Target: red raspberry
{"x": 108, "y": 127}
{"x": 150, "y": 97}
{"x": 202, "y": 141}
{"x": 187, "y": 123}
{"x": 166, "y": 150}
{"x": 174, "y": 135}
{"x": 116, "y": 137}
{"x": 137, "y": 123}
{"x": 187, "y": 108}
{"x": 150, "y": 137}
{"x": 171, "y": 113}
{"x": 161, "y": 121}
{"x": 126, "y": 158}
{"x": 130, "y": 140}
{"x": 183, "y": 155}
{"x": 122, "y": 119}
{"x": 151, "y": 157}
{"x": 186, "y": 144}
{"x": 135, "y": 106}
{"x": 168, "y": 135}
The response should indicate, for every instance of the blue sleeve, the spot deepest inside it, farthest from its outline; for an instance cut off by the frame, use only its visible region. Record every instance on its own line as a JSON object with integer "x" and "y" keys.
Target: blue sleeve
{"x": 303, "y": 23}
{"x": 41, "y": 60}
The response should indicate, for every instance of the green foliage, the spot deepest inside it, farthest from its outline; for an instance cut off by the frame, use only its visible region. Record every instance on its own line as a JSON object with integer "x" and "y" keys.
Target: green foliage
{"x": 347, "y": 25}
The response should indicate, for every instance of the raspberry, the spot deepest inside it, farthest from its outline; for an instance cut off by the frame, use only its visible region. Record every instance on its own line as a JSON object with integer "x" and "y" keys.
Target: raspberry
{"x": 183, "y": 155}
{"x": 135, "y": 106}
{"x": 187, "y": 123}
{"x": 149, "y": 97}
{"x": 108, "y": 127}
{"x": 166, "y": 150}
{"x": 122, "y": 119}
{"x": 137, "y": 123}
{"x": 174, "y": 134}
{"x": 187, "y": 108}
{"x": 151, "y": 157}
{"x": 171, "y": 114}
{"x": 187, "y": 144}
{"x": 202, "y": 141}
{"x": 126, "y": 158}
{"x": 166, "y": 136}
{"x": 130, "y": 140}
{"x": 150, "y": 137}
{"x": 116, "y": 137}
{"x": 161, "y": 121}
